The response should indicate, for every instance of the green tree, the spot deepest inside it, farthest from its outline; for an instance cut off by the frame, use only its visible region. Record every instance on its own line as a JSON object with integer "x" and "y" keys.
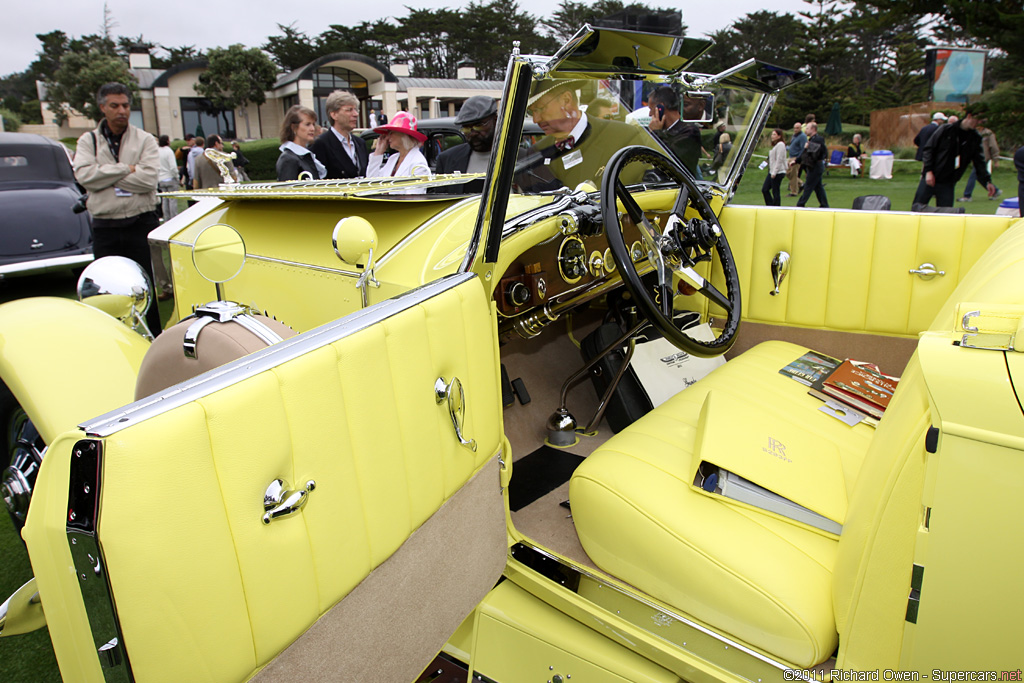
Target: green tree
{"x": 12, "y": 122}
{"x": 235, "y": 77}
{"x": 81, "y": 73}
{"x": 1006, "y": 114}
{"x": 571, "y": 15}
{"x": 177, "y": 55}
{"x": 293, "y": 48}
{"x": 768, "y": 36}
{"x": 488, "y": 30}
{"x": 821, "y": 48}
{"x": 428, "y": 42}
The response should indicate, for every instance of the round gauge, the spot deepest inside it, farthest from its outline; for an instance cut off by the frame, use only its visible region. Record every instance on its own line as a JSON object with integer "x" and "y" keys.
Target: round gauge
{"x": 596, "y": 264}
{"x": 609, "y": 262}
{"x": 636, "y": 251}
{"x": 572, "y": 259}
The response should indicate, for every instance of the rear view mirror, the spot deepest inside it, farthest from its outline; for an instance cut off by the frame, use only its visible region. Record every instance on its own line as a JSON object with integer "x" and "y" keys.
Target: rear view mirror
{"x": 698, "y": 107}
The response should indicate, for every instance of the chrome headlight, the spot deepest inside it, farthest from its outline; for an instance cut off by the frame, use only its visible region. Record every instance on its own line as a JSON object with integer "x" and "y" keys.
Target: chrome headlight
{"x": 118, "y": 286}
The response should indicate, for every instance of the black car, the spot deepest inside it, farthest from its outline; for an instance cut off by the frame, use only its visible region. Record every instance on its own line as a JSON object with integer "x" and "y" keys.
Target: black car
{"x": 443, "y": 134}
{"x": 39, "y": 229}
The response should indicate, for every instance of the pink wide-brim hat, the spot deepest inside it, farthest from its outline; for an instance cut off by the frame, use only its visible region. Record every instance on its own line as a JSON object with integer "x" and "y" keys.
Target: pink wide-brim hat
{"x": 402, "y": 122}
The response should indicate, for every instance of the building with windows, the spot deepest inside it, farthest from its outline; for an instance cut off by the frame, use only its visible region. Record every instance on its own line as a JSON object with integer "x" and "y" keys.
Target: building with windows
{"x": 169, "y": 104}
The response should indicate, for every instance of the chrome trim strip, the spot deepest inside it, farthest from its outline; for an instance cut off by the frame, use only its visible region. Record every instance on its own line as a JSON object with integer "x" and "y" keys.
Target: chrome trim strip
{"x": 266, "y": 359}
{"x": 358, "y": 188}
{"x": 582, "y": 572}
{"x": 45, "y": 265}
{"x": 85, "y": 478}
{"x": 296, "y": 264}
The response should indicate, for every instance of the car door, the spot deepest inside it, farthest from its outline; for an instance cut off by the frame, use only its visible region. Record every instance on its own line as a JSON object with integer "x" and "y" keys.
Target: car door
{"x": 159, "y": 532}
{"x": 851, "y": 274}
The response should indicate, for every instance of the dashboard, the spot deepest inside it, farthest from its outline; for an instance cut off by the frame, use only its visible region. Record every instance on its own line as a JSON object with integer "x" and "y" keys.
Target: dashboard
{"x": 576, "y": 260}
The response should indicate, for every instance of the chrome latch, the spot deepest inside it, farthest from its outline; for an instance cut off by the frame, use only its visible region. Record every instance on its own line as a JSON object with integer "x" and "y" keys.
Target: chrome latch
{"x": 280, "y": 502}
{"x": 926, "y": 271}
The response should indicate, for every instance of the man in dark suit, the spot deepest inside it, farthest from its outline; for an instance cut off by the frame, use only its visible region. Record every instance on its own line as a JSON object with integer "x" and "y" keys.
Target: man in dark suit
{"x": 476, "y": 118}
{"x": 681, "y": 138}
{"x": 342, "y": 153}
{"x": 575, "y": 148}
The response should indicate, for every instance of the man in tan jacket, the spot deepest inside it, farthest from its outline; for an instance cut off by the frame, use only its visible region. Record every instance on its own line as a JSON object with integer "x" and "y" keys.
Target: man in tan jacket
{"x": 119, "y": 165}
{"x": 207, "y": 173}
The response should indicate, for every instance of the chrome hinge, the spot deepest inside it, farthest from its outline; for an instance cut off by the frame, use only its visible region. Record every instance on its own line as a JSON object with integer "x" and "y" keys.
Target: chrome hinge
{"x": 914, "y": 601}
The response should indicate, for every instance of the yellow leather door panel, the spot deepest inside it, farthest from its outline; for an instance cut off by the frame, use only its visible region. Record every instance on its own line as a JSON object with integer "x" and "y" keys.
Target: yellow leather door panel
{"x": 849, "y": 270}
{"x": 204, "y": 589}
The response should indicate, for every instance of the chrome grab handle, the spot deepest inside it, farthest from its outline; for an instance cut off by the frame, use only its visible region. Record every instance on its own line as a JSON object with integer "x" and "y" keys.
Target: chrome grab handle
{"x": 780, "y": 269}
{"x": 279, "y": 502}
{"x": 452, "y": 393}
{"x": 926, "y": 271}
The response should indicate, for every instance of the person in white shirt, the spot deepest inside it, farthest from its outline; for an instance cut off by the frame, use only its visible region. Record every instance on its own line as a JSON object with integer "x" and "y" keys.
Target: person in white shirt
{"x": 777, "y": 167}
{"x": 167, "y": 179}
{"x": 402, "y": 136}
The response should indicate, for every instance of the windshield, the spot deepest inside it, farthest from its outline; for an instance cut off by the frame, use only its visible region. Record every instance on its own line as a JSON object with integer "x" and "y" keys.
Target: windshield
{"x": 583, "y": 122}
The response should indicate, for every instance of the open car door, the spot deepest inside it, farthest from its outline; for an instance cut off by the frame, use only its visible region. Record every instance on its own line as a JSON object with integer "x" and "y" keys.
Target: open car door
{"x": 329, "y": 508}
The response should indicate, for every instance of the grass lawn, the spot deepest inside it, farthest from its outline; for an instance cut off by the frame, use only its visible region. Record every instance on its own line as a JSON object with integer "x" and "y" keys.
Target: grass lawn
{"x": 841, "y": 188}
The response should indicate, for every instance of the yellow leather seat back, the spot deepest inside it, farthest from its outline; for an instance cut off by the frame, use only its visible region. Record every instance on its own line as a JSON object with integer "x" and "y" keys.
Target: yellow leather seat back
{"x": 850, "y": 269}
{"x": 871, "y": 578}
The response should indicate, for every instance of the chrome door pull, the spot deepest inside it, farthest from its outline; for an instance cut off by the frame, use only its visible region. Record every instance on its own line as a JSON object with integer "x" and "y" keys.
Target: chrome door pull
{"x": 279, "y": 502}
{"x": 780, "y": 269}
{"x": 456, "y": 397}
{"x": 926, "y": 271}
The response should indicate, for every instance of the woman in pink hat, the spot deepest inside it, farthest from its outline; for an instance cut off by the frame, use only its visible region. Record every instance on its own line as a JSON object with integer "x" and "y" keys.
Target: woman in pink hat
{"x": 402, "y": 136}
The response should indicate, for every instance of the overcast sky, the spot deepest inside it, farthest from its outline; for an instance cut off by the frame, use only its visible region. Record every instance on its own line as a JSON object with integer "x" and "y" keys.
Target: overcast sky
{"x": 219, "y": 23}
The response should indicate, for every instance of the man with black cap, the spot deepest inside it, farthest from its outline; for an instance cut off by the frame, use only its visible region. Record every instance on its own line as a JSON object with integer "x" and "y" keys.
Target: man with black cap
{"x": 476, "y": 118}
{"x": 948, "y": 153}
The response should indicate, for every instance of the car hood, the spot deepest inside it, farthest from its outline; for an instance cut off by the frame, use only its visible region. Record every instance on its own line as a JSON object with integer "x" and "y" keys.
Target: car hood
{"x": 36, "y": 221}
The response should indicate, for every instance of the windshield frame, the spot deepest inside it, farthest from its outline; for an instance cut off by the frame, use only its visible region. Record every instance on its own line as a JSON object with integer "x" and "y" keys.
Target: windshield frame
{"x": 523, "y": 73}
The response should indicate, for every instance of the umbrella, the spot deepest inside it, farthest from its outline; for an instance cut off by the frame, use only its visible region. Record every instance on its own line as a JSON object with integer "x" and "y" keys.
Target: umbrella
{"x": 835, "y": 124}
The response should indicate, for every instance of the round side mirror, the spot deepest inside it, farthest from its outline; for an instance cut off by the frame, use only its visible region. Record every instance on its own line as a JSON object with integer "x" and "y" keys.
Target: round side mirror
{"x": 354, "y": 241}
{"x": 218, "y": 253}
{"x": 118, "y": 286}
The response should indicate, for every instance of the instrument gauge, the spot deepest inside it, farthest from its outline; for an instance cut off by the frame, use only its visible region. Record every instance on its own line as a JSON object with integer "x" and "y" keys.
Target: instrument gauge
{"x": 609, "y": 261}
{"x": 636, "y": 251}
{"x": 572, "y": 259}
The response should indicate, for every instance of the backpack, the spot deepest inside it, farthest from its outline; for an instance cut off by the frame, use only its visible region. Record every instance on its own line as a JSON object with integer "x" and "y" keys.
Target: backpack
{"x": 813, "y": 153}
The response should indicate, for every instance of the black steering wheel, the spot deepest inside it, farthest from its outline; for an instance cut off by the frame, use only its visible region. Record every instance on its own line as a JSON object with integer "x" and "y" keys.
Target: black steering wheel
{"x": 672, "y": 253}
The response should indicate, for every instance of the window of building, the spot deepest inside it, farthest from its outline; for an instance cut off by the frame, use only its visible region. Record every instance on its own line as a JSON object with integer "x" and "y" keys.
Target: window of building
{"x": 200, "y": 117}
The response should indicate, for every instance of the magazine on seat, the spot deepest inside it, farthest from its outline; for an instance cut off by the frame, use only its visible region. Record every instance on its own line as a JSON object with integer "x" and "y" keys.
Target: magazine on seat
{"x": 748, "y": 457}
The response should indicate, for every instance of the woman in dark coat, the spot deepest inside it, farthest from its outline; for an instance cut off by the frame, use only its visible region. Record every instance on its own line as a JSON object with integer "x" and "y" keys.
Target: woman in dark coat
{"x": 298, "y": 130}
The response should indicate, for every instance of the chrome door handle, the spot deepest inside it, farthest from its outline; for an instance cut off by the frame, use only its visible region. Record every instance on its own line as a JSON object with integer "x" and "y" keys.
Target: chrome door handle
{"x": 456, "y": 397}
{"x": 279, "y": 502}
{"x": 780, "y": 269}
{"x": 926, "y": 271}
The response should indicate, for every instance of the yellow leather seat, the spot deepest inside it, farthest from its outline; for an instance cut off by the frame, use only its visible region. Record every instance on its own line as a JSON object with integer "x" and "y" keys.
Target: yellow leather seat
{"x": 776, "y": 585}
{"x": 762, "y": 579}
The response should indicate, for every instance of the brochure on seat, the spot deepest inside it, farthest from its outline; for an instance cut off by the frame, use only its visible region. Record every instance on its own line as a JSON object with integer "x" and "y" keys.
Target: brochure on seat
{"x": 811, "y": 367}
{"x": 778, "y": 456}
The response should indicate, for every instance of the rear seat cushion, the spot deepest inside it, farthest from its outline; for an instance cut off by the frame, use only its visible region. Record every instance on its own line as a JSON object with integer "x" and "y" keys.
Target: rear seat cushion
{"x": 638, "y": 518}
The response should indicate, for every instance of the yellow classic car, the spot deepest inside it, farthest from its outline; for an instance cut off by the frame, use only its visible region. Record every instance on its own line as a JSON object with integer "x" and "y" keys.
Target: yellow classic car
{"x": 365, "y": 452}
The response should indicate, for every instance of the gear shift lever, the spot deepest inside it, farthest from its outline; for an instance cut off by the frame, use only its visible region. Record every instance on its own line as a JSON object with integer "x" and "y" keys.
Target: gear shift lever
{"x": 562, "y": 425}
